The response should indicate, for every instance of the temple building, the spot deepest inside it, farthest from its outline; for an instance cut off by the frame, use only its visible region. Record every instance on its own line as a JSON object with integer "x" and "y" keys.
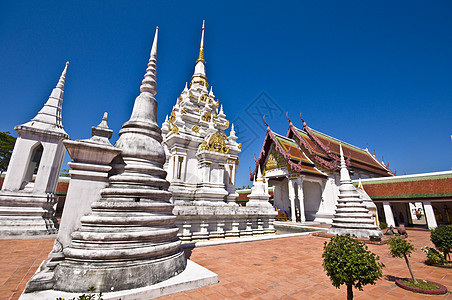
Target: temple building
{"x": 412, "y": 200}
{"x": 303, "y": 168}
{"x": 202, "y": 161}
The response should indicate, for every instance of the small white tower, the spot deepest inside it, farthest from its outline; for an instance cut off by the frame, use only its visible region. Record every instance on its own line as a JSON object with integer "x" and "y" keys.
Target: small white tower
{"x": 28, "y": 193}
{"x": 352, "y": 215}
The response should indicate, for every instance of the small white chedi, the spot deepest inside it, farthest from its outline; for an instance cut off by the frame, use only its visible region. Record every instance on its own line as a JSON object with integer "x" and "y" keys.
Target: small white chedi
{"x": 352, "y": 215}
{"x": 26, "y": 205}
{"x": 202, "y": 161}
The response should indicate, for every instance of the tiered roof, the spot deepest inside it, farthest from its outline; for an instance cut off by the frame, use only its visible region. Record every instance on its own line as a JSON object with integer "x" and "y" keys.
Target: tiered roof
{"x": 310, "y": 151}
{"x": 288, "y": 148}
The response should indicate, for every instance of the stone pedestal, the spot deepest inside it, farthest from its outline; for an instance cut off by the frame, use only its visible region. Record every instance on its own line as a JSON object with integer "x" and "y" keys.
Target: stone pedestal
{"x": 89, "y": 174}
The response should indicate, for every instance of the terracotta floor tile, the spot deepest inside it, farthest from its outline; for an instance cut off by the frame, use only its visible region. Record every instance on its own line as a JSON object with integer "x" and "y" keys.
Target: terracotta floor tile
{"x": 288, "y": 268}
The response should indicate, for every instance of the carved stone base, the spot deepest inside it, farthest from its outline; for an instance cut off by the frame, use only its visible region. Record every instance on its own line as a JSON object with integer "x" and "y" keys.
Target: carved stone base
{"x": 75, "y": 277}
{"x": 27, "y": 214}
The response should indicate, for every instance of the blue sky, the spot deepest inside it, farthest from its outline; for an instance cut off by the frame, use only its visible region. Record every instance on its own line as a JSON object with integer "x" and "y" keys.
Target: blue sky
{"x": 377, "y": 72}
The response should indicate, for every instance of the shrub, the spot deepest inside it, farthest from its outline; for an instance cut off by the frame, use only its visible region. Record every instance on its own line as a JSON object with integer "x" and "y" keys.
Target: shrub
{"x": 434, "y": 256}
{"x": 383, "y": 225}
{"x": 347, "y": 261}
{"x": 441, "y": 237}
{"x": 399, "y": 247}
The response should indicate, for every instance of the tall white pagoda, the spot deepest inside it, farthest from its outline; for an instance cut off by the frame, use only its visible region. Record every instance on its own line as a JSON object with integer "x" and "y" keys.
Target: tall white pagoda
{"x": 201, "y": 161}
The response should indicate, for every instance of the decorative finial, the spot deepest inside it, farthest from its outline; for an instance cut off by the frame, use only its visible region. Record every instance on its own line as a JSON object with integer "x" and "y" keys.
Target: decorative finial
{"x": 287, "y": 116}
{"x": 302, "y": 120}
{"x": 263, "y": 117}
{"x": 149, "y": 83}
{"x": 103, "y": 123}
{"x": 186, "y": 88}
{"x": 367, "y": 146}
{"x": 360, "y": 184}
{"x": 345, "y": 176}
{"x": 259, "y": 174}
{"x": 201, "y": 48}
{"x": 221, "y": 109}
{"x": 60, "y": 83}
{"x": 211, "y": 92}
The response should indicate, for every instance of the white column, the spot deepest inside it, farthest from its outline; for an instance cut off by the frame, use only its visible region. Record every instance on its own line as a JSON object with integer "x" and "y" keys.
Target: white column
{"x": 301, "y": 200}
{"x": 277, "y": 197}
{"x": 388, "y": 214}
{"x": 292, "y": 200}
{"x": 429, "y": 215}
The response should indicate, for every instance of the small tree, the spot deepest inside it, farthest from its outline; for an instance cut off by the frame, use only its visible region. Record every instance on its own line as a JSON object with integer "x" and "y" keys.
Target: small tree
{"x": 7, "y": 142}
{"x": 347, "y": 261}
{"x": 441, "y": 237}
{"x": 399, "y": 247}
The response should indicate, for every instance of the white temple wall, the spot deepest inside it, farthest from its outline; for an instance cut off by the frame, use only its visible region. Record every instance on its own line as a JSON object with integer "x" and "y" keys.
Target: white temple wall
{"x": 281, "y": 196}
{"x": 312, "y": 199}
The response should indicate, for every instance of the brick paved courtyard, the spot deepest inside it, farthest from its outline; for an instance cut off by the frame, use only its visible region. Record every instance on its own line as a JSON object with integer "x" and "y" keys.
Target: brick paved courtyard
{"x": 286, "y": 268}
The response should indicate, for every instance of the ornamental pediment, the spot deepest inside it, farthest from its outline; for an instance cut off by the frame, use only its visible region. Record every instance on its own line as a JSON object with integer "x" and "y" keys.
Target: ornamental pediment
{"x": 216, "y": 143}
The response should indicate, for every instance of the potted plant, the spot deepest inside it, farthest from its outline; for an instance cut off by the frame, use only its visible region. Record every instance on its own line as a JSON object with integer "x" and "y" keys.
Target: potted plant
{"x": 347, "y": 261}
{"x": 441, "y": 237}
{"x": 401, "y": 248}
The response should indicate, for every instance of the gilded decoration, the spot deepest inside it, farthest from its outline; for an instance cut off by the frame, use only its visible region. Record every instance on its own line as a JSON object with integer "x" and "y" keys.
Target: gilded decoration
{"x": 271, "y": 162}
{"x": 275, "y": 160}
{"x": 206, "y": 116}
{"x": 197, "y": 109}
{"x": 240, "y": 146}
{"x": 226, "y": 124}
{"x": 172, "y": 117}
{"x": 216, "y": 143}
{"x": 203, "y": 97}
{"x": 179, "y": 100}
{"x": 175, "y": 129}
{"x": 184, "y": 110}
{"x": 195, "y": 128}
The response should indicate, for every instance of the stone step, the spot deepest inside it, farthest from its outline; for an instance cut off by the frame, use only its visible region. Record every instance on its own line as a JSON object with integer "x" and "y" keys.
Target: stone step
{"x": 354, "y": 225}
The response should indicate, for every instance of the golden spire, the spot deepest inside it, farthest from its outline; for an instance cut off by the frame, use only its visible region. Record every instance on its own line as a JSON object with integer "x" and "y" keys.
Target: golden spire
{"x": 201, "y": 48}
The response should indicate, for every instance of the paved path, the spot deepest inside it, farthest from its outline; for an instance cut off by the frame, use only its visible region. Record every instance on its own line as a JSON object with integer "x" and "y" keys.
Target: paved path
{"x": 287, "y": 268}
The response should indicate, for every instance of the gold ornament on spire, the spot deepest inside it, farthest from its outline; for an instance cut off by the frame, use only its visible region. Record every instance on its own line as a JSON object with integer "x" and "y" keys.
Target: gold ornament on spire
{"x": 201, "y": 48}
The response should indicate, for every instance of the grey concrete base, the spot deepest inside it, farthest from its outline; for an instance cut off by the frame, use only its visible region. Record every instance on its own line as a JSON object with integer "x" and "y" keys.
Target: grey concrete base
{"x": 194, "y": 276}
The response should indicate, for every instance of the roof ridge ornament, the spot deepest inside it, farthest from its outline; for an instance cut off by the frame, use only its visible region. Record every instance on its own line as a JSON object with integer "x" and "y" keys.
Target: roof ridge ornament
{"x": 287, "y": 116}
{"x": 302, "y": 120}
{"x": 268, "y": 127}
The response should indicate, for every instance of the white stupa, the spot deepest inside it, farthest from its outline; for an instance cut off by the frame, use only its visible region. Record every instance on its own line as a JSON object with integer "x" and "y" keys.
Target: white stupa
{"x": 352, "y": 215}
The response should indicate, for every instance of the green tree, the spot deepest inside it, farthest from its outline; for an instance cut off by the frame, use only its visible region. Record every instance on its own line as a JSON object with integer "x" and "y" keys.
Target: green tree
{"x": 347, "y": 261}
{"x": 399, "y": 247}
{"x": 7, "y": 142}
{"x": 441, "y": 237}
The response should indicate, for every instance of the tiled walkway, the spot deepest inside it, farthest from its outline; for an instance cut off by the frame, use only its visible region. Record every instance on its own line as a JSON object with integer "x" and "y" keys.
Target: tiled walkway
{"x": 287, "y": 268}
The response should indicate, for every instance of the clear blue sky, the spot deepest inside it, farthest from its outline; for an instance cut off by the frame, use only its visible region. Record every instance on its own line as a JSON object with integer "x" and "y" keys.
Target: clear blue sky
{"x": 377, "y": 72}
